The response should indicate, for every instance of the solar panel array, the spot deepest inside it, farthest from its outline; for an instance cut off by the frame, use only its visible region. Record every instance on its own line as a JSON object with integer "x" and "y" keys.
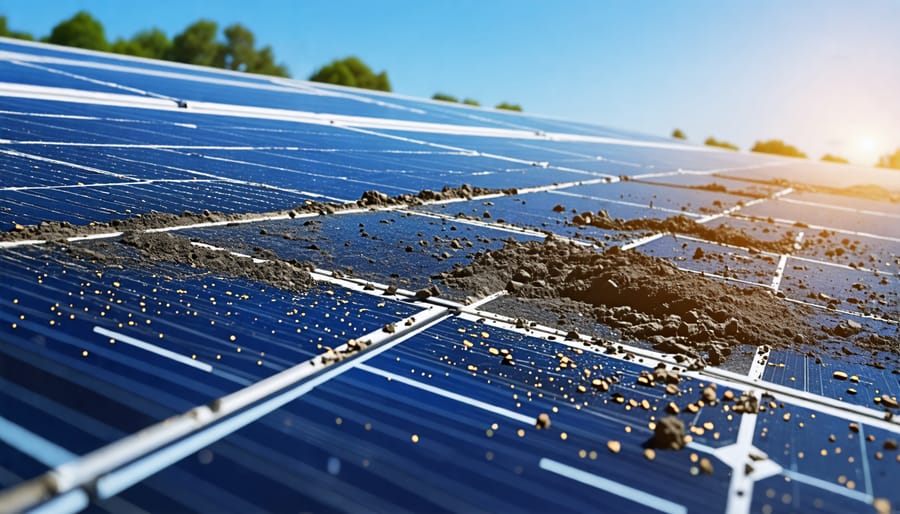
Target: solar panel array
{"x": 160, "y": 386}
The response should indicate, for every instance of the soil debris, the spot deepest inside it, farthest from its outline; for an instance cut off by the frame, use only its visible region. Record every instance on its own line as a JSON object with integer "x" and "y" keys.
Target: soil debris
{"x": 290, "y": 275}
{"x": 681, "y": 224}
{"x": 644, "y": 297}
{"x": 668, "y": 434}
{"x": 61, "y": 230}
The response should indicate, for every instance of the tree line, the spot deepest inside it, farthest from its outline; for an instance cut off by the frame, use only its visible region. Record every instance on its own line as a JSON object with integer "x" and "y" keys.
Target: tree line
{"x": 507, "y": 106}
{"x": 778, "y": 147}
{"x": 199, "y": 43}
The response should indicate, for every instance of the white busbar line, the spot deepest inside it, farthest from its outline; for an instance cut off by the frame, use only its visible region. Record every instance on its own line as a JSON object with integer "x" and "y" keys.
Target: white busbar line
{"x": 152, "y": 348}
{"x": 521, "y": 418}
{"x": 621, "y": 490}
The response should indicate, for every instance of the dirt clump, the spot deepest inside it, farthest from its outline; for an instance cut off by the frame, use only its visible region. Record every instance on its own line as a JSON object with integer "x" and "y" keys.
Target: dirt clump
{"x": 681, "y": 224}
{"x": 61, "y": 230}
{"x": 162, "y": 247}
{"x": 644, "y": 297}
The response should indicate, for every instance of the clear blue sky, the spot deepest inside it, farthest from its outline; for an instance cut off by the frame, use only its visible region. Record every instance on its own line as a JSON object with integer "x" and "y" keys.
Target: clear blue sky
{"x": 821, "y": 74}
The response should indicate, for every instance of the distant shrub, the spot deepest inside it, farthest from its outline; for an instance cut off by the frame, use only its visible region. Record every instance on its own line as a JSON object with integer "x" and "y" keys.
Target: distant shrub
{"x": 678, "y": 134}
{"x": 711, "y": 141}
{"x": 834, "y": 158}
{"x": 509, "y": 107}
{"x": 777, "y": 147}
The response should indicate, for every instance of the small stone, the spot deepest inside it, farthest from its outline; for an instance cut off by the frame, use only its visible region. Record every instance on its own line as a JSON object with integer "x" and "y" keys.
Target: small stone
{"x": 672, "y": 389}
{"x": 840, "y": 375}
{"x": 890, "y": 444}
{"x": 543, "y": 421}
{"x": 853, "y": 428}
{"x": 649, "y": 453}
{"x": 389, "y": 328}
{"x": 728, "y": 395}
{"x": 706, "y": 466}
{"x": 882, "y": 505}
{"x": 614, "y": 446}
{"x": 709, "y": 394}
{"x": 668, "y": 434}
{"x": 889, "y": 402}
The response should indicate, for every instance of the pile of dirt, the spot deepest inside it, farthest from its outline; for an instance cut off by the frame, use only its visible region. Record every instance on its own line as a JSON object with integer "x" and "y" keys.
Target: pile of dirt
{"x": 683, "y": 225}
{"x": 644, "y": 297}
{"x": 713, "y": 186}
{"x": 867, "y": 191}
{"x": 290, "y": 275}
{"x": 61, "y": 230}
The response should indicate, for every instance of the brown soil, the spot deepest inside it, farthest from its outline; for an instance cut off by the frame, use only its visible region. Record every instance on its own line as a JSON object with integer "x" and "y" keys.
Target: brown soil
{"x": 165, "y": 247}
{"x": 683, "y": 225}
{"x": 60, "y": 230}
{"x": 868, "y": 191}
{"x": 644, "y": 297}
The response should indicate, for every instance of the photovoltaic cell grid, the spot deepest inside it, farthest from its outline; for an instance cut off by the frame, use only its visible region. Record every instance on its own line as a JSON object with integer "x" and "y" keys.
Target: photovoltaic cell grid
{"x": 166, "y": 387}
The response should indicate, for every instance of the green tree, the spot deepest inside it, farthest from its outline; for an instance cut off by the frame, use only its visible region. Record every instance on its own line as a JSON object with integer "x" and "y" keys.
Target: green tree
{"x": 444, "y": 97}
{"x": 196, "y": 45}
{"x": 153, "y": 44}
{"x": 265, "y": 64}
{"x": 678, "y": 134}
{"x": 351, "y": 71}
{"x": 471, "y": 101}
{"x": 777, "y": 147}
{"x": 509, "y": 107}
{"x": 5, "y": 32}
{"x": 834, "y": 158}
{"x": 890, "y": 160}
{"x": 711, "y": 141}
{"x": 81, "y": 30}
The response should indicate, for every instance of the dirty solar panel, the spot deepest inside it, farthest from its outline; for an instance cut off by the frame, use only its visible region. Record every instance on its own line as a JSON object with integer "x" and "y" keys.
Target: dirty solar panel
{"x": 176, "y": 385}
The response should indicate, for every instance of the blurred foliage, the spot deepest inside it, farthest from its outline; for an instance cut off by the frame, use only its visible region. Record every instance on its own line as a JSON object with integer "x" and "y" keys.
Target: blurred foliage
{"x": 4, "y": 31}
{"x": 81, "y": 30}
{"x": 834, "y": 158}
{"x": 711, "y": 141}
{"x": 153, "y": 44}
{"x": 509, "y": 107}
{"x": 444, "y": 97}
{"x": 351, "y": 71}
{"x": 777, "y": 147}
{"x": 197, "y": 44}
{"x": 678, "y": 134}
{"x": 890, "y": 160}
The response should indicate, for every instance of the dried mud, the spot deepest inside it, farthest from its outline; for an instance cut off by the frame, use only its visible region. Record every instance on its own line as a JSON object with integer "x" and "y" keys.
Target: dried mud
{"x": 161, "y": 247}
{"x": 61, "y": 230}
{"x": 644, "y": 297}
{"x": 683, "y": 225}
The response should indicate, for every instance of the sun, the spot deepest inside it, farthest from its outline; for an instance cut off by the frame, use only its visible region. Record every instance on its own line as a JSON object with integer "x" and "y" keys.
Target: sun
{"x": 867, "y": 144}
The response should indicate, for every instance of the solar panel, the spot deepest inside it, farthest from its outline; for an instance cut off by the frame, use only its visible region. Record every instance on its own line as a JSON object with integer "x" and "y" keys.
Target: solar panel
{"x": 232, "y": 293}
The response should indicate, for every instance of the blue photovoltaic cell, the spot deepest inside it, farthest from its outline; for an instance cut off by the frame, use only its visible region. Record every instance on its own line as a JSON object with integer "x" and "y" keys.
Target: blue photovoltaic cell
{"x": 826, "y": 217}
{"x": 850, "y": 463}
{"x": 104, "y": 203}
{"x": 536, "y": 211}
{"x": 433, "y": 421}
{"x": 694, "y": 180}
{"x": 597, "y": 158}
{"x": 847, "y": 289}
{"x": 371, "y": 443}
{"x": 713, "y": 258}
{"x": 818, "y": 174}
{"x": 120, "y": 60}
{"x": 392, "y": 248}
{"x": 39, "y": 75}
{"x": 234, "y": 331}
